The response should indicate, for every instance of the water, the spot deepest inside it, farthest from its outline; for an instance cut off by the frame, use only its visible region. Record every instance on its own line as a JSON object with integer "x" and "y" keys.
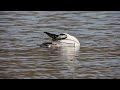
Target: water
{"x": 22, "y": 58}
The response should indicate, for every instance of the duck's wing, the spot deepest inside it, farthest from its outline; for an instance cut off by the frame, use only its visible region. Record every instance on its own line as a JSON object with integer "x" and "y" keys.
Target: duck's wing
{"x": 53, "y": 36}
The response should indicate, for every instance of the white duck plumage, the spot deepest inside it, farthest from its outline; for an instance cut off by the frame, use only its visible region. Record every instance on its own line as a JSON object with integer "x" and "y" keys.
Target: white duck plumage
{"x": 64, "y": 39}
{"x": 70, "y": 40}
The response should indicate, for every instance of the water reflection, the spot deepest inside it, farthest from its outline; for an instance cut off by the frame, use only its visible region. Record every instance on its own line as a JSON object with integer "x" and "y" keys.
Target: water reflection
{"x": 63, "y": 59}
{"x": 66, "y": 53}
{"x": 69, "y": 56}
{"x": 69, "y": 53}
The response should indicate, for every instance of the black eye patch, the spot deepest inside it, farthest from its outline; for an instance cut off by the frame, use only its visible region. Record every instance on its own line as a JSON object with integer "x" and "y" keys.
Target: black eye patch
{"x": 62, "y": 34}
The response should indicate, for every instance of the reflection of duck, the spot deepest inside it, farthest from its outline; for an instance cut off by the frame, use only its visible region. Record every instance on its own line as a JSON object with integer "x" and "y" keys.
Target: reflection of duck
{"x": 69, "y": 53}
{"x": 61, "y": 40}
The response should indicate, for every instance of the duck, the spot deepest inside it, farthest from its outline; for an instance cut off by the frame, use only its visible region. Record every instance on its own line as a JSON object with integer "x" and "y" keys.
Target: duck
{"x": 61, "y": 40}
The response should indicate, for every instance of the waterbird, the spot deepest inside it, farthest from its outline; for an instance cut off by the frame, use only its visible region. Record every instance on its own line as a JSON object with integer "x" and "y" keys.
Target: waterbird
{"x": 61, "y": 40}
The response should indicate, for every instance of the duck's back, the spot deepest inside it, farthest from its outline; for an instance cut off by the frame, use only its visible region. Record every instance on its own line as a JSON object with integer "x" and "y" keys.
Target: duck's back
{"x": 71, "y": 40}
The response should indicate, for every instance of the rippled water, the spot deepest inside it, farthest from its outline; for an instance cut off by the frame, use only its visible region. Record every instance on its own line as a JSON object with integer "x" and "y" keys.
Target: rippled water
{"x": 22, "y": 58}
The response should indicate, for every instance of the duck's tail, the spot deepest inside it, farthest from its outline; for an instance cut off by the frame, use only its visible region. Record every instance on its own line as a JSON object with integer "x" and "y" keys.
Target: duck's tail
{"x": 53, "y": 36}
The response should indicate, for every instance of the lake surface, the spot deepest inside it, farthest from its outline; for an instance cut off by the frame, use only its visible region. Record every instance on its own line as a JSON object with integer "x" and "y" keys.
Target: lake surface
{"x": 22, "y": 58}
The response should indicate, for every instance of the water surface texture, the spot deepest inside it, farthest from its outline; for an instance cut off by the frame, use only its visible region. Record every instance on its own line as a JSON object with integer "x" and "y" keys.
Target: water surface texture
{"x": 22, "y": 58}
